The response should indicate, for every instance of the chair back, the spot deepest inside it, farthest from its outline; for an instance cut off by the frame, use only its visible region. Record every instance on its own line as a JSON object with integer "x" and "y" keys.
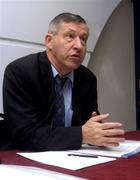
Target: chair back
{"x": 5, "y": 138}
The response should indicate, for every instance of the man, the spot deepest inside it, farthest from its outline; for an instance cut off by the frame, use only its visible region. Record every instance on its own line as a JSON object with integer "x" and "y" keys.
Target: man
{"x": 31, "y": 101}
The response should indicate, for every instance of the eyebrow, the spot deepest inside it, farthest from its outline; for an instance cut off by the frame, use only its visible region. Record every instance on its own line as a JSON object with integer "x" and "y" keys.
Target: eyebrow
{"x": 72, "y": 30}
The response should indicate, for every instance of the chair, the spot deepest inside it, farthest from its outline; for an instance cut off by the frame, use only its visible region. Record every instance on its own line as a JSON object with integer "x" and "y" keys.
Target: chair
{"x": 5, "y": 138}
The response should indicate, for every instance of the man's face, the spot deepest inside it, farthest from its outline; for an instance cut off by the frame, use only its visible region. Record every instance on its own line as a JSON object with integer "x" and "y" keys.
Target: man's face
{"x": 67, "y": 48}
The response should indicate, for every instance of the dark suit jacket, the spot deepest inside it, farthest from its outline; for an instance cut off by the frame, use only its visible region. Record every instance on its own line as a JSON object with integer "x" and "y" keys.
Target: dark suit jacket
{"x": 28, "y": 97}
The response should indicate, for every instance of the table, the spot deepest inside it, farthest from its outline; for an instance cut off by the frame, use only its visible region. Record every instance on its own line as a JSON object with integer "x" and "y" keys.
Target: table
{"x": 121, "y": 169}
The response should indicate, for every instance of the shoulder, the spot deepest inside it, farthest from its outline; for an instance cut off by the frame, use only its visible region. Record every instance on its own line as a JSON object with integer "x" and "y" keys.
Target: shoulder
{"x": 85, "y": 74}
{"x": 22, "y": 69}
{"x": 23, "y": 61}
{"x": 25, "y": 64}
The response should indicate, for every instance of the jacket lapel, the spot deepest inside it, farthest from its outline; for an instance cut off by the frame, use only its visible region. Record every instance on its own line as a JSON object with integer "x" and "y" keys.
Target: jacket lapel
{"x": 46, "y": 78}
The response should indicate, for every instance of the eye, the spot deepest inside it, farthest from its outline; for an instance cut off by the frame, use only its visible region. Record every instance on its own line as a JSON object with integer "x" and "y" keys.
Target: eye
{"x": 83, "y": 40}
{"x": 69, "y": 37}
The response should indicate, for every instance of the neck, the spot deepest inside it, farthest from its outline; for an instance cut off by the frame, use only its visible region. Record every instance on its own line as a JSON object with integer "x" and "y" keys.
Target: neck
{"x": 62, "y": 70}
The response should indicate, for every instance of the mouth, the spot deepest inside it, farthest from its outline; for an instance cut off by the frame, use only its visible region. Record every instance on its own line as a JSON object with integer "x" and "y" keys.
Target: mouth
{"x": 76, "y": 56}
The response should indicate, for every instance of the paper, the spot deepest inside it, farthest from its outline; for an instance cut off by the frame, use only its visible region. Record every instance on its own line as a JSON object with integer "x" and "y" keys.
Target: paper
{"x": 105, "y": 154}
{"x": 61, "y": 159}
{"x": 17, "y": 172}
{"x": 126, "y": 149}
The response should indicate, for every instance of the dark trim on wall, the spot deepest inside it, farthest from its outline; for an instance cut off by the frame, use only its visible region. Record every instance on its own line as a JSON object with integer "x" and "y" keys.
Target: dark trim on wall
{"x": 137, "y": 58}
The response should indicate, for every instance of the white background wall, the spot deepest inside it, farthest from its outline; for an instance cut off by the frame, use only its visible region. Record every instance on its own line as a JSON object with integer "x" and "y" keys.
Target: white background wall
{"x": 28, "y": 19}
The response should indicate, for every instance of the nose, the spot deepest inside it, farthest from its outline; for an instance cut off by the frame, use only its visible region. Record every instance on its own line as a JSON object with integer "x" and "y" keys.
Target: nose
{"x": 77, "y": 43}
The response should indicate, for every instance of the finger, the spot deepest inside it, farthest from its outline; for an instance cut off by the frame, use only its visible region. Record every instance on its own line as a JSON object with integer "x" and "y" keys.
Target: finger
{"x": 100, "y": 118}
{"x": 112, "y": 141}
{"x": 113, "y": 132}
{"x": 111, "y": 125}
{"x": 110, "y": 144}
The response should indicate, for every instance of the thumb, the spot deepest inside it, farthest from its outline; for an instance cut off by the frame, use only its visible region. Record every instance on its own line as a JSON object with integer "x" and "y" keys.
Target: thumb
{"x": 94, "y": 113}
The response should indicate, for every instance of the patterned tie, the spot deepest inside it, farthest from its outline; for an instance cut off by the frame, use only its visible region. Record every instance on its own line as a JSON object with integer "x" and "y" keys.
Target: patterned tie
{"x": 59, "y": 107}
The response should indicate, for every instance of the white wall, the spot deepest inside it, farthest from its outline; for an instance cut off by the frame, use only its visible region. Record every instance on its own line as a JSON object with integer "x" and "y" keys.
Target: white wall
{"x": 28, "y": 19}
{"x": 113, "y": 64}
{"x": 23, "y": 25}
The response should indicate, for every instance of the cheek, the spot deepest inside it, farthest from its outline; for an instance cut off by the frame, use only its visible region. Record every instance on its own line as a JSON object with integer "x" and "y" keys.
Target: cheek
{"x": 58, "y": 45}
{"x": 55, "y": 47}
{"x": 58, "y": 50}
{"x": 62, "y": 48}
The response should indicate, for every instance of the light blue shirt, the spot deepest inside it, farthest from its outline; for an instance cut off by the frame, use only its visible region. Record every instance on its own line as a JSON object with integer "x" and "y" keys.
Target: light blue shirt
{"x": 67, "y": 93}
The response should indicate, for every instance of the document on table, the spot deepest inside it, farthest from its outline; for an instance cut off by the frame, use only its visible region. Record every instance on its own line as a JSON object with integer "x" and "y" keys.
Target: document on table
{"x": 126, "y": 149}
{"x": 17, "y": 172}
{"x": 66, "y": 159}
{"x": 78, "y": 159}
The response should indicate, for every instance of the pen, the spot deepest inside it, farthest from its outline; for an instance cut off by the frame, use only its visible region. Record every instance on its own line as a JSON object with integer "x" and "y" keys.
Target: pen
{"x": 84, "y": 155}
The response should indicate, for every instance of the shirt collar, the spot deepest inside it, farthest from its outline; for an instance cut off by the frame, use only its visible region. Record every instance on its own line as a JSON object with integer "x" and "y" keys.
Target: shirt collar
{"x": 70, "y": 75}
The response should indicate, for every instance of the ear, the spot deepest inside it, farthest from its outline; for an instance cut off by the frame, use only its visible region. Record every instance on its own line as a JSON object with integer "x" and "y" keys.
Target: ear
{"x": 48, "y": 40}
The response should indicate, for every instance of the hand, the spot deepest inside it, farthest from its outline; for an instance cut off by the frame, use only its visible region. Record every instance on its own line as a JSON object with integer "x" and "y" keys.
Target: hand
{"x": 102, "y": 134}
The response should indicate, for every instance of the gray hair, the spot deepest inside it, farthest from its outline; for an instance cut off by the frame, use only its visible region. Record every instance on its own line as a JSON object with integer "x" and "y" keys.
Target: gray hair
{"x": 64, "y": 17}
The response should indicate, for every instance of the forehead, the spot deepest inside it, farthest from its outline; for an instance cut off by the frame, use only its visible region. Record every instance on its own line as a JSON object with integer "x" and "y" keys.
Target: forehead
{"x": 74, "y": 27}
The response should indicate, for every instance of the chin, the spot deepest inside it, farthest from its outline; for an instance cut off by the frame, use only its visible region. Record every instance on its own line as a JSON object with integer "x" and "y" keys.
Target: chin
{"x": 73, "y": 66}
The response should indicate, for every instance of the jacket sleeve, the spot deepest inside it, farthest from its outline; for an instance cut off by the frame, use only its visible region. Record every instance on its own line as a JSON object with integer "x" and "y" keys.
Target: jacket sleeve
{"x": 28, "y": 130}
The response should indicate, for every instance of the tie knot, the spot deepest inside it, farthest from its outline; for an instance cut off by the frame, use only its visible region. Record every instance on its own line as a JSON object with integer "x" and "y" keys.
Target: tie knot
{"x": 61, "y": 80}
